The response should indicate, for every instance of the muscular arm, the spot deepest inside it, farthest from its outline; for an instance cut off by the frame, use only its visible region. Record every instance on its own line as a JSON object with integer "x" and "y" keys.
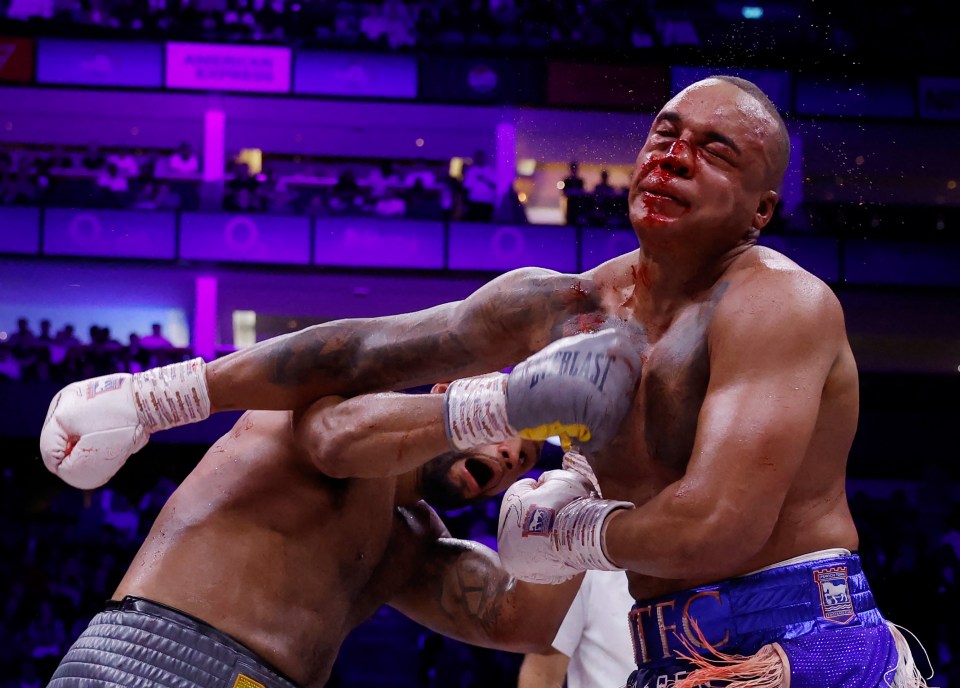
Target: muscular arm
{"x": 500, "y": 324}
{"x": 772, "y": 346}
{"x": 373, "y": 435}
{"x": 462, "y": 591}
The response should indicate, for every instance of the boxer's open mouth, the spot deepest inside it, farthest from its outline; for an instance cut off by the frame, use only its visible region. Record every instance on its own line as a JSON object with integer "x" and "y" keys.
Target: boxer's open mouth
{"x": 480, "y": 471}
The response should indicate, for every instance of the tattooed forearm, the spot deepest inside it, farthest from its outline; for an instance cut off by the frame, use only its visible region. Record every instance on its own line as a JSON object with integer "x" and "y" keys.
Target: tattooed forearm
{"x": 499, "y": 325}
{"x": 477, "y": 592}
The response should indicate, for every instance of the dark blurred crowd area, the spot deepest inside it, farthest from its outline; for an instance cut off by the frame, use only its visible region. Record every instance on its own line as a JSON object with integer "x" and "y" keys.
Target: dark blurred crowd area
{"x": 49, "y": 176}
{"x": 155, "y": 180}
{"x": 786, "y": 32}
{"x": 66, "y": 550}
{"x": 62, "y": 357}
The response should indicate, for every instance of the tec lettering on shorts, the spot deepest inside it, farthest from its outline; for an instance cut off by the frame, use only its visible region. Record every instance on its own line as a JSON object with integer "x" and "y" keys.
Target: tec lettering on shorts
{"x": 667, "y": 680}
{"x": 656, "y": 628}
{"x": 592, "y": 366}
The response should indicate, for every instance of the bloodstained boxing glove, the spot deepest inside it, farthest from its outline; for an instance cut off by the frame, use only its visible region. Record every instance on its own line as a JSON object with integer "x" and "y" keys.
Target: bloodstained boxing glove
{"x": 553, "y": 528}
{"x": 579, "y": 388}
{"x": 94, "y": 426}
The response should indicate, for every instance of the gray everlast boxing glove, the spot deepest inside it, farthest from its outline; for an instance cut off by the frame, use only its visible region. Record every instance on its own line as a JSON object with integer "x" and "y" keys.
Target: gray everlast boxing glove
{"x": 578, "y": 387}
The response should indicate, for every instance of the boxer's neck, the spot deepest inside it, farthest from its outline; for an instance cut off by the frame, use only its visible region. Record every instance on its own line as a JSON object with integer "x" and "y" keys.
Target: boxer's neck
{"x": 664, "y": 282}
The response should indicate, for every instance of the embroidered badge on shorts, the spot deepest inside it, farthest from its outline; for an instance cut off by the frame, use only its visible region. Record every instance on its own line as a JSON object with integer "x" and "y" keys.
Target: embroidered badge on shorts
{"x": 247, "y": 682}
{"x": 835, "y": 599}
{"x": 538, "y": 521}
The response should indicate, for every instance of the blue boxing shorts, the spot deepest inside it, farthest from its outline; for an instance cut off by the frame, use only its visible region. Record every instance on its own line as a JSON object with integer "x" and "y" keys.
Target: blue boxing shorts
{"x": 810, "y": 622}
{"x": 136, "y": 642}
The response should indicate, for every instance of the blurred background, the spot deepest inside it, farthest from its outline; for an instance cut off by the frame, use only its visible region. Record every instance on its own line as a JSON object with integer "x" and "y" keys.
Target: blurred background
{"x": 188, "y": 177}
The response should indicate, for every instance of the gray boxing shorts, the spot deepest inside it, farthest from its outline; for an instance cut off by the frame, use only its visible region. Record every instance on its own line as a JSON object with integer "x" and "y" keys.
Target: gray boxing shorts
{"x": 137, "y": 642}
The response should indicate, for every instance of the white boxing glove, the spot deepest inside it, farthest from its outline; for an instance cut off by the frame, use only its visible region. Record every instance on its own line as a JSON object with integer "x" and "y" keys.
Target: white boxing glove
{"x": 94, "y": 426}
{"x": 552, "y": 529}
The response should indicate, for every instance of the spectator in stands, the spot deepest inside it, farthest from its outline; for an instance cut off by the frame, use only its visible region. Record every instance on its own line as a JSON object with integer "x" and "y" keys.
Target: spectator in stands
{"x": 145, "y": 198}
{"x": 420, "y": 170}
{"x": 510, "y": 210}
{"x": 9, "y": 368}
{"x": 346, "y": 195}
{"x": 155, "y": 340}
{"x": 66, "y": 336}
{"x": 573, "y": 182}
{"x": 422, "y": 203}
{"x": 93, "y": 159}
{"x": 573, "y": 192}
{"x": 125, "y": 162}
{"x": 114, "y": 184}
{"x": 183, "y": 162}
{"x": 480, "y": 189}
{"x": 382, "y": 180}
{"x": 241, "y": 200}
{"x": 136, "y": 357}
{"x": 23, "y": 336}
{"x": 101, "y": 355}
{"x": 57, "y": 160}
{"x": 604, "y": 187}
{"x": 45, "y": 337}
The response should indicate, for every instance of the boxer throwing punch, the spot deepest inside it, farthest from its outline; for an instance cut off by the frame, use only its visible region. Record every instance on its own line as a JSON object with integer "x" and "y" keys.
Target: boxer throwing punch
{"x": 295, "y": 527}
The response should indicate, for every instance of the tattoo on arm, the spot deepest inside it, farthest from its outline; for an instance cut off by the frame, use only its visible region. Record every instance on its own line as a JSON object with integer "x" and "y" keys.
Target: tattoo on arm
{"x": 466, "y": 589}
{"x": 506, "y": 322}
{"x": 478, "y": 590}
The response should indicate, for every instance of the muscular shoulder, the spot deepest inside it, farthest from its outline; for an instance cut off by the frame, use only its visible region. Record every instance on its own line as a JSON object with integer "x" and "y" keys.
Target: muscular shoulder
{"x": 771, "y": 297}
{"x": 775, "y": 287}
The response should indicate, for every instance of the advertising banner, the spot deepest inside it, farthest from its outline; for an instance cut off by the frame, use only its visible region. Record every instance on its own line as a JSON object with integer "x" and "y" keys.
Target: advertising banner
{"x": 354, "y": 74}
{"x": 215, "y": 67}
{"x": 503, "y": 247}
{"x": 245, "y": 238}
{"x": 99, "y": 63}
{"x": 372, "y": 242}
{"x": 109, "y": 233}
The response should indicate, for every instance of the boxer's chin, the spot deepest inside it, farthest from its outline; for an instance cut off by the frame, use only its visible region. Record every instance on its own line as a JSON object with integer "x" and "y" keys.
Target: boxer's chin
{"x": 437, "y": 486}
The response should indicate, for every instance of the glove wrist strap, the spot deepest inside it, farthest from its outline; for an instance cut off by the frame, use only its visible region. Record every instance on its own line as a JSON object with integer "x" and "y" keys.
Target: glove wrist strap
{"x": 173, "y": 395}
{"x": 578, "y": 533}
{"x": 475, "y": 411}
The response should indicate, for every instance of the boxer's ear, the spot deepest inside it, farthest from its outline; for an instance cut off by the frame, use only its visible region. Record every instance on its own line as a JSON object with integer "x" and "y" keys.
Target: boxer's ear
{"x": 439, "y": 388}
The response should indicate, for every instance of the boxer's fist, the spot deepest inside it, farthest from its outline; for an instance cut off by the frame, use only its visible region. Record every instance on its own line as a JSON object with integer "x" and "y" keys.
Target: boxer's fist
{"x": 527, "y": 514}
{"x": 579, "y": 388}
{"x": 552, "y": 529}
{"x": 92, "y": 427}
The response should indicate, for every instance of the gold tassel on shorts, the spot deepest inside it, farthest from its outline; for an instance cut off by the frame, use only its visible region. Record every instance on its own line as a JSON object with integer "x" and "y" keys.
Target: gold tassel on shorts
{"x": 764, "y": 669}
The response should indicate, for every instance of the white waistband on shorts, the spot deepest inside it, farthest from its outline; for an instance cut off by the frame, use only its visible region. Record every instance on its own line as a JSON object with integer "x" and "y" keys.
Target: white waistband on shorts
{"x": 831, "y": 553}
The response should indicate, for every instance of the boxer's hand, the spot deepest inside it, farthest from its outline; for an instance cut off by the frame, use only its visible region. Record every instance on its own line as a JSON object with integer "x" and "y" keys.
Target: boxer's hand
{"x": 552, "y": 529}
{"x": 94, "y": 426}
{"x": 579, "y": 388}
